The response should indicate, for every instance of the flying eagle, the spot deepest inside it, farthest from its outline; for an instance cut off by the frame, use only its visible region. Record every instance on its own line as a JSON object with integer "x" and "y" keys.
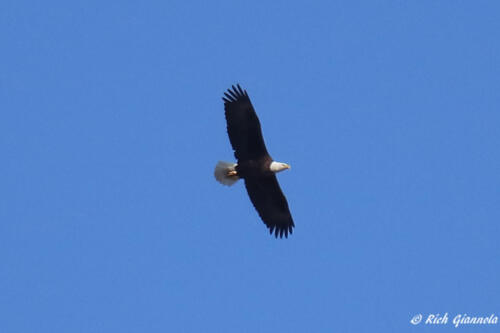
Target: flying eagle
{"x": 254, "y": 165}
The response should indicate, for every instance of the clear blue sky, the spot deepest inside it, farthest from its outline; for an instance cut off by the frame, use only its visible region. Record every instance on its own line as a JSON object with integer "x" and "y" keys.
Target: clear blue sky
{"x": 111, "y": 121}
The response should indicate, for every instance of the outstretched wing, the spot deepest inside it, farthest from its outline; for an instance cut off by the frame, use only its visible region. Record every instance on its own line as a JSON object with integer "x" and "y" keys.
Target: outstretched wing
{"x": 243, "y": 126}
{"x": 269, "y": 201}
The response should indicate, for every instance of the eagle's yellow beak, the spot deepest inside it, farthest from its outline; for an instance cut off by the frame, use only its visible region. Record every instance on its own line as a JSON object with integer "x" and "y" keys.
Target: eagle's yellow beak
{"x": 288, "y": 166}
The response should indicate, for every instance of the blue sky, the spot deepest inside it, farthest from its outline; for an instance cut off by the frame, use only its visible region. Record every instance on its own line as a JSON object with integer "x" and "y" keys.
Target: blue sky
{"x": 112, "y": 121}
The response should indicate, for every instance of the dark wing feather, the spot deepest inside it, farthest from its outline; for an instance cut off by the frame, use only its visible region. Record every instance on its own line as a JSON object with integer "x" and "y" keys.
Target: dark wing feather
{"x": 269, "y": 201}
{"x": 243, "y": 126}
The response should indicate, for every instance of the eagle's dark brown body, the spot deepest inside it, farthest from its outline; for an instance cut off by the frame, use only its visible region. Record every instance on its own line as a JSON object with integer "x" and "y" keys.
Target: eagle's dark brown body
{"x": 253, "y": 168}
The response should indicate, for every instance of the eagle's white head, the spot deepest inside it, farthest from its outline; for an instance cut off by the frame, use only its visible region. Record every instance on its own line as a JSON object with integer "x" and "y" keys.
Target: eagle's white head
{"x": 278, "y": 166}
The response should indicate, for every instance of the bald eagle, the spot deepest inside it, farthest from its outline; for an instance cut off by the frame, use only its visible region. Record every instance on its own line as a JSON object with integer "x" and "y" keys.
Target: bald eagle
{"x": 254, "y": 164}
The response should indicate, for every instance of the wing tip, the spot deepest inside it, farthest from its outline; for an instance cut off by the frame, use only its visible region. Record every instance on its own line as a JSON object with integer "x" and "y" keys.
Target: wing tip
{"x": 234, "y": 93}
{"x": 281, "y": 231}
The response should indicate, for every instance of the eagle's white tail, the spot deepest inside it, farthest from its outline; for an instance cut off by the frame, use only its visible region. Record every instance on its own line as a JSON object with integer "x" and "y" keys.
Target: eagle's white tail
{"x": 221, "y": 173}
